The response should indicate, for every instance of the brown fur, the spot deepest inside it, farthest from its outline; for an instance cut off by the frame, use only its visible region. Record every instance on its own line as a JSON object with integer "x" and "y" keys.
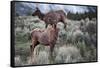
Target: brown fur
{"x": 46, "y": 37}
{"x": 52, "y": 17}
{"x": 38, "y": 13}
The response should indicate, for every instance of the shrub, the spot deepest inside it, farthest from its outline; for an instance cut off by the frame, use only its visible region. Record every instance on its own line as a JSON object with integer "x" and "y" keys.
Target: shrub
{"x": 91, "y": 28}
{"x": 41, "y": 58}
{"x": 82, "y": 41}
{"x": 77, "y": 36}
{"x": 41, "y": 54}
{"x": 88, "y": 53}
{"x": 18, "y": 61}
{"x": 68, "y": 54}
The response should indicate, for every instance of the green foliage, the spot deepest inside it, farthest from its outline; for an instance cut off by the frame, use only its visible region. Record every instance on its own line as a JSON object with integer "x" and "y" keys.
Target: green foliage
{"x": 87, "y": 52}
{"x": 71, "y": 45}
{"x": 22, "y": 50}
{"x": 68, "y": 54}
{"x": 79, "y": 16}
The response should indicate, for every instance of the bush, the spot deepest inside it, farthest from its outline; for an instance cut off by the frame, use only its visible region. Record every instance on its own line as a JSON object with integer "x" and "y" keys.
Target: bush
{"x": 91, "y": 28}
{"x": 77, "y": 36}
{"x": 41, "y": 55}
{"x": 82, "y": 42}
{"x": 68, "y": 54}
{"x": 41, "y": 58}
{"x": 18, "y": 61}
{"x": 88, "y": 53}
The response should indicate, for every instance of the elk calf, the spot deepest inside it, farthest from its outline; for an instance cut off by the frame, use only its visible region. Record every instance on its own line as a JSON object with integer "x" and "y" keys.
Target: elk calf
{"x": 47, "y": 37}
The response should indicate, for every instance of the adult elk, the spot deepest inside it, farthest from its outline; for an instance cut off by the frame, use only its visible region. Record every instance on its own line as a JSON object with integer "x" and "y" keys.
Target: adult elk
{"x": 52, "y": 17}
{"x": 47, "y": 37}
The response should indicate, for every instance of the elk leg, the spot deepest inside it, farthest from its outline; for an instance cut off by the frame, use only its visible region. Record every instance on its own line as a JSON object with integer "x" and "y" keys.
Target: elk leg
{"x": 46, "y": 25}
{"x": 32, "y": 51}
{"x": 51, "y": 52}
{"x": 64, "y": 22}
{"x": 64, "y": 26}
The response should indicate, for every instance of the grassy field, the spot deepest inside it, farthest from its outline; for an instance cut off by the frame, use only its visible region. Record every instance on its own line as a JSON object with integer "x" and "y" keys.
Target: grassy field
{"x": 76, "y": 44}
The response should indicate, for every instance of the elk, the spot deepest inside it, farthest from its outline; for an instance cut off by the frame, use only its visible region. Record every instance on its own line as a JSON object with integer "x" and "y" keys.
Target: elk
{"x": 52, "y": 17}
{"x": 47, "y": 37}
